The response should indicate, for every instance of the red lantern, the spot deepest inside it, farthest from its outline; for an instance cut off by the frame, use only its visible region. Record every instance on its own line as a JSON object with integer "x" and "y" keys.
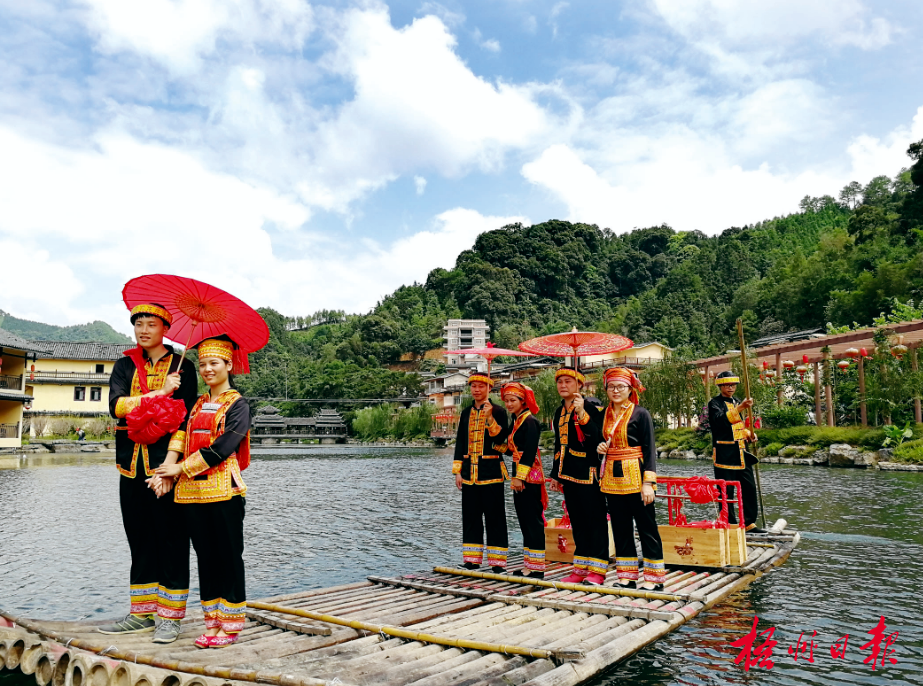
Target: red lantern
{"x": 804, "y": 358}
{"x": 852, "y": 353}
{"x": 765, "y": 365}
{"x": 843, "y": 364}
{"x": 32, "y": 372}
{"x": 863, "y": 352}
{"x": 788, "y": 364}
{"x": 802, "y": 369}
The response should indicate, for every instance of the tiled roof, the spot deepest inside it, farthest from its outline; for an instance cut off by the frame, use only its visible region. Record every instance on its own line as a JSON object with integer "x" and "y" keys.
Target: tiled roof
{"x": 9, "y": 340}
{"x": 86, "y": 351}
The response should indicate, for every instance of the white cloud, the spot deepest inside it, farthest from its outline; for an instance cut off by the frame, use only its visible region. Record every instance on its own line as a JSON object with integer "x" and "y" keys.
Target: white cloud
{"x": 491, "y": 45}
{"x": 692, "y": 182}
{"x": 122, "y": 208}
{"x": 417, "y": 106}
{"x": 450, "y": 18}
{"x": 741, "y": 23}
{"x": 419, "y": 183}
{"x": 178, "y": 33}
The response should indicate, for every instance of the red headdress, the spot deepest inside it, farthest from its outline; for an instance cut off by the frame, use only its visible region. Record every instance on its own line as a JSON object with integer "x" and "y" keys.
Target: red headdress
{"x": 521, "y": 391}
{"x": 628, "y": 377}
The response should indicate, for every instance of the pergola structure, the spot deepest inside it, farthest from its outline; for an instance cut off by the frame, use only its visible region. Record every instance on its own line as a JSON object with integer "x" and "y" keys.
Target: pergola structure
{"x": 812, "y": 353}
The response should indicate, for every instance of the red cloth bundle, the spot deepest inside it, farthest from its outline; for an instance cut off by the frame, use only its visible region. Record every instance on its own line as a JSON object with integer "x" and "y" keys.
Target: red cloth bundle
{"x": 154, "y": 418}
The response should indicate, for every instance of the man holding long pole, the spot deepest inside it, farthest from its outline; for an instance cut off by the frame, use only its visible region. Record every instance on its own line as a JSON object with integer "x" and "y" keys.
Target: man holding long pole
{"x": 732, "y": 460}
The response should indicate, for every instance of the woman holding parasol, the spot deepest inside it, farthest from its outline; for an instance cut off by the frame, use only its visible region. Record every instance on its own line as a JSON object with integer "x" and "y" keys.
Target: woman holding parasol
{"x": 207, "y": 457}
{"x": 208, "y": 452}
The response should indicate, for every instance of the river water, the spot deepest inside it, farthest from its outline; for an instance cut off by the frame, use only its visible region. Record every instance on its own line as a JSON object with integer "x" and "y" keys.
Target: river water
{"x": 332, "y": 515}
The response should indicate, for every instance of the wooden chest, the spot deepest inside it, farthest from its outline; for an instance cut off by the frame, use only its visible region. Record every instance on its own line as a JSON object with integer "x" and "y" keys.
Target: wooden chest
{"x": 557, "y": 538}
{"x": 696, "y": 547}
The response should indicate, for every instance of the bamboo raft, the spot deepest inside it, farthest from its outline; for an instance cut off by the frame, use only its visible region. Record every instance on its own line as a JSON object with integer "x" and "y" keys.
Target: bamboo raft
{"x": 440, "y": 627}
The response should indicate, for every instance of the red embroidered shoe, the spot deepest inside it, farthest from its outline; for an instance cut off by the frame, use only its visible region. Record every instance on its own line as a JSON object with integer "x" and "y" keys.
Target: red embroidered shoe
{"x": 203, "y": 641}
{"x": 575, "y": 578}
{"x": 223, "y": 641}
{"x": 595, "y": 579}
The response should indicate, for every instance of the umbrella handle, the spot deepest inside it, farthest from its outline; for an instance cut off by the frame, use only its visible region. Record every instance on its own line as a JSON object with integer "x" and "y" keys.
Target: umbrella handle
{"x": 186, "y": 348}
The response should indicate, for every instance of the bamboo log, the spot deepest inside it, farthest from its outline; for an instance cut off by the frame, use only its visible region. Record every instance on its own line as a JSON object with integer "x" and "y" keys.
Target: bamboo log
{"x": 416, "y": 636}
{"x": 60, "y": 671}
{"x": 586, "y": 588}
{"x": 319, "y": 591}
{"x": 484, "y": 665}
{"x": 30, "y": 657}
{"x": 14, "y": 650}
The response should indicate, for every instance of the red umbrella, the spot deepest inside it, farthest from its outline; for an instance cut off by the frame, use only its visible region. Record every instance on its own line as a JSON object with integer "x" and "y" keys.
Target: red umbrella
{"x": 489, "y": 353}
{"x": 202, "y": 311}
{"x": 575, "y": 343}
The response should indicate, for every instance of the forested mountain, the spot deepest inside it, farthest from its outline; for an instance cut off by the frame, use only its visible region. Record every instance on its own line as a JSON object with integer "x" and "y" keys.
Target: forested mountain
{"x": 840, "y": 261}
{"x": 93, "y": 332}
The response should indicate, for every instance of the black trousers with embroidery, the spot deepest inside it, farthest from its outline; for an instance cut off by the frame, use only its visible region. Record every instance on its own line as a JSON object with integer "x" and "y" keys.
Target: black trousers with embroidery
{"x": 157, "y": 540}
{"x": 625, "y": 513}
{"x": 484, "y": 507}
{"x": 587, "y": 510}
{"x": 217, "y": 533}
{"x": 747, "y": 490}
{"x": 528, "y": 504}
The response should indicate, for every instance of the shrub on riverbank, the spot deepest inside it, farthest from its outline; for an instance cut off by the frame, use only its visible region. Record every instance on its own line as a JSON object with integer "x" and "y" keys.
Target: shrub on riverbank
{"x": 683, "y": 439}
{"x": 385, "y": 421}
{"x": 772, "y": 441}
{"x": 911, "y": 451}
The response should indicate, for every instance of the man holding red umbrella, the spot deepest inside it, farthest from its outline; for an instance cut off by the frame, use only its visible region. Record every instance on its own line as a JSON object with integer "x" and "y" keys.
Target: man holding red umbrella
{"x": 159, "y": 577}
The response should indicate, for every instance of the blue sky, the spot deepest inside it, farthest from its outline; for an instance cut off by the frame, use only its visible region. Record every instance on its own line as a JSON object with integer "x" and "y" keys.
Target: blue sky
{"x": 318, "y": 155}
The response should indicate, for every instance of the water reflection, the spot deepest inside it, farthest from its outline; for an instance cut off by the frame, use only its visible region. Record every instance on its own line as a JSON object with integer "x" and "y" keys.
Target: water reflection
{"x": 334, "y": 514}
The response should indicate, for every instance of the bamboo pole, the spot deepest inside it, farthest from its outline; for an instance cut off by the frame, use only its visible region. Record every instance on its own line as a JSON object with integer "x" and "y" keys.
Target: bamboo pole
{"x": 828, "y": 389}
{"x": 586, "y": 588}
{"x": 863, "y": 411}
{"x": 779, "y": 377}
{"x": 917, "y": 408}
{"x": 60, "y": 671}
{"x": 817, "y": 413}
{"x": 417, "y": 636}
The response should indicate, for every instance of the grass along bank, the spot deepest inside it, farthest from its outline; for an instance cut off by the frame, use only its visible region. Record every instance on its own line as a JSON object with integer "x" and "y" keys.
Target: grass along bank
{"x": 804, "y": 443}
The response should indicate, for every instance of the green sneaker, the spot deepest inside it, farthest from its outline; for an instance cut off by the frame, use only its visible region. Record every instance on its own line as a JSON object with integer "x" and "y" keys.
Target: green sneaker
{"x": 129, "y": 625}
{"x": 167, "y": 631}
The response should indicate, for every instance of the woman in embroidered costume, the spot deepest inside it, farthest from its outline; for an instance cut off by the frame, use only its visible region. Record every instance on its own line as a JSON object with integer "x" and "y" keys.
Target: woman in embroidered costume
{"x": 529, "y": 495}
{"x": 629, "y": 480}
{"x": 576, "y": 432}
{"x": 479, "y": 474}
{"x": 208, "y": 457}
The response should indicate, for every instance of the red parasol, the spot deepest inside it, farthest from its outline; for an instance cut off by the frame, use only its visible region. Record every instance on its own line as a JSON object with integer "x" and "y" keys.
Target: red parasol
{"x": 489, "y": 353}
{"x": 203, "y": 310}
{"x": 575, "y": 343}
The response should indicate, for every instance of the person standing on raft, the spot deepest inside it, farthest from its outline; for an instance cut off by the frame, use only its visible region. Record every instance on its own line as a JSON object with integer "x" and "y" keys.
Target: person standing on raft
{"x": 576, "y": 435}
{"x": 729, "y": 436}
{"x": 208, "y": 455}
{"x": 479, "y": 472}
{"x": 159, "y": 576}
{"x": 629, "y": 480}
{"x": 528, "y": 484}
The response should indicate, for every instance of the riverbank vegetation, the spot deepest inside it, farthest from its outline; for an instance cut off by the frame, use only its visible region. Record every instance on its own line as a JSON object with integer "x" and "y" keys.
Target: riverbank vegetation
{"x": 389, "y": 421}
{"x": 807, "y": 439}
